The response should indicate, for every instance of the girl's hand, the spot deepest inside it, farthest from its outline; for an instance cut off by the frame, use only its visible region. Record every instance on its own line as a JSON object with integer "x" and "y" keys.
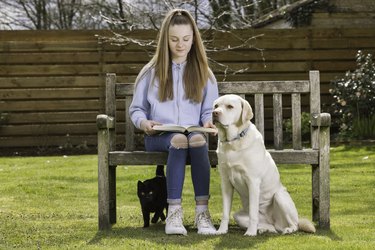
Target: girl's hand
{"x": 209, "y": 124}
{"x": 146, "y": 126}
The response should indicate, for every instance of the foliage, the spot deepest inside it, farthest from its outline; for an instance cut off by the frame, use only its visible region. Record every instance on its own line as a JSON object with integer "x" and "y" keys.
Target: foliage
{"x": 305, "y": 127}
{"x": 364, "y": 128}
{"x": 354, "y": 95}
{"x": 51, "y": 203}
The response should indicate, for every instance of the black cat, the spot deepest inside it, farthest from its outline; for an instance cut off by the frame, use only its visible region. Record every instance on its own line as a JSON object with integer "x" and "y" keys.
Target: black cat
{"x": 152, "y": 194}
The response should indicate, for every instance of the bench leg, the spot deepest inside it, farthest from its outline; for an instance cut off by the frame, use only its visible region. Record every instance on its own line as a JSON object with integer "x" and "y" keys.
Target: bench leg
{"x": 112, "y": 194}
{"x": 321, "y": 182}
{"x": 103, "y": 181}
{"x": 315, "y": 193}
{"x": 324, "y": 218}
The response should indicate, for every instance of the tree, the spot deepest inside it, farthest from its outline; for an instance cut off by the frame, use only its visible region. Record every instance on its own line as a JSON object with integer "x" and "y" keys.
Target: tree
{"x": 221, "y": 13}
{"x": 128, "y": 15}
{"x": 55, "y": 14}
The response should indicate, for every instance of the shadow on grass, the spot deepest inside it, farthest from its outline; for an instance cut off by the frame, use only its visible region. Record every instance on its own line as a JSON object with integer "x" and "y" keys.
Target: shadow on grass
{"x": 155, "y": 234}
{"x": 328, "y": 233}
{"x": 235, "y": 239}
{"x": 355, "y": 146}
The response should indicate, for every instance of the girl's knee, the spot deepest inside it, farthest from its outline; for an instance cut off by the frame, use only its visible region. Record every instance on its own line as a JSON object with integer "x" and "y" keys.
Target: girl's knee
{"x": 179, "y": 141}
{"x": 197, "y": 140}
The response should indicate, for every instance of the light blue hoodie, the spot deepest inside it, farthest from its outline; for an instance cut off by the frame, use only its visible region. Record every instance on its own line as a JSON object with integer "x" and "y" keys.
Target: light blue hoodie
{"x": 181, "y": 111}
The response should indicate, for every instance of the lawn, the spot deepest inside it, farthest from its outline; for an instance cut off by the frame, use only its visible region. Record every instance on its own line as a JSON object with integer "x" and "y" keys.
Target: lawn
{"x": 51, "y": 203}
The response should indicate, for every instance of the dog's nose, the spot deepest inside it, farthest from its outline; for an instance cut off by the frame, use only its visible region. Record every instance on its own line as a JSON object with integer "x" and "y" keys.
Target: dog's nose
{"x": 215, "y": 116}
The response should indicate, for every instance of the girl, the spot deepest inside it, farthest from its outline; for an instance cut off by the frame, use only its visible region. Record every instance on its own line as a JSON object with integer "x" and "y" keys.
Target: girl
{"x": 178, "y": 87}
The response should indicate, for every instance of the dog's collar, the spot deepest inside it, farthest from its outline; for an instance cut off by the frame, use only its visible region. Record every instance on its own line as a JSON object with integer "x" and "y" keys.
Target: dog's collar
{"x": 240, "y": 135}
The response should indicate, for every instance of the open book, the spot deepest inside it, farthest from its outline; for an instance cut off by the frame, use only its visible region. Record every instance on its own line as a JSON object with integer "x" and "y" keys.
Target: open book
{"x": 182, "y": 129}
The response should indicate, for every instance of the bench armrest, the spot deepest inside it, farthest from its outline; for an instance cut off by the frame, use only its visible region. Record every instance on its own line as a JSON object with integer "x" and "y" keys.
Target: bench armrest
{"x": 105, "y": 122}
{"x": 321, "y": 120}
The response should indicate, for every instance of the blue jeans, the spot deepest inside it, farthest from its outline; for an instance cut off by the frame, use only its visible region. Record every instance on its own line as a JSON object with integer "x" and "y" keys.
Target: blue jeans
{"x": 176, "y": 163}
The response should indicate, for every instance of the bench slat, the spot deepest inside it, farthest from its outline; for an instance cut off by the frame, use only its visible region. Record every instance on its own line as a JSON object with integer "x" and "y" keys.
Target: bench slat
{"x": 286, "y": 156}
{"x": 264, "y": 87}
{"x": 296, "y": 121}
{"x": 278, "y": 121}
{"x": 256, "y": 87}
{"x": 259, "y": 113}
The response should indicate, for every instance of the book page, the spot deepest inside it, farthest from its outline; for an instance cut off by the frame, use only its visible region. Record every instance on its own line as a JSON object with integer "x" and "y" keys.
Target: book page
{"x": 180, "y": 128}
{"x": 169, "y": 127}
{"x": 201, "y": 129}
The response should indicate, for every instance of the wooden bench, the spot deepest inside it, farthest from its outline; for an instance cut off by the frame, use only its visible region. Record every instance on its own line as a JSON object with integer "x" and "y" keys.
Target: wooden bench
{"x": 317, "y": 155}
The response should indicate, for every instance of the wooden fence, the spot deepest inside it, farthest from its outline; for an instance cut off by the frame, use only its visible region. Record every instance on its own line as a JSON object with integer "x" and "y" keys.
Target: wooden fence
{"x": 52, "y": 82}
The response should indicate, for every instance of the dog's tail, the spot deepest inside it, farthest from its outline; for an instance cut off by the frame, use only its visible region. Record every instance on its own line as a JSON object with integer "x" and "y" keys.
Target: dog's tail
{"x": 306, "y": 225}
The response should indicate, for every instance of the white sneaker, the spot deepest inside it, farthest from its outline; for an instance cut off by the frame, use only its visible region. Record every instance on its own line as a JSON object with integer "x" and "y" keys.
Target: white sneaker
{"x": 174, "y": 224}
{"x": 204, "y": 224}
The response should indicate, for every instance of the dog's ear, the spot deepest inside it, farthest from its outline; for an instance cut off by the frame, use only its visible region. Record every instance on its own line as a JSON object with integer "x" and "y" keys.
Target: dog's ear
{"x": 247, "y": 111}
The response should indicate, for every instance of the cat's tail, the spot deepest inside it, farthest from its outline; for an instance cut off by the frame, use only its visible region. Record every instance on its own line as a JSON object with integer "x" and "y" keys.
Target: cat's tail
{"x": 160, "y": 170}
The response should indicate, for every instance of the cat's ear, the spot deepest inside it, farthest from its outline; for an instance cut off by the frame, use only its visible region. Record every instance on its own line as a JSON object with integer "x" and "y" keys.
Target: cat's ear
{"x": 140, "y": 184}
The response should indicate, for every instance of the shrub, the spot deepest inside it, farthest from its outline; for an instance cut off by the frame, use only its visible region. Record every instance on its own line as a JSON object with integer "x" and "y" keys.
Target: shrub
{"x": 364, "y": 128}
{"x": 354, "y": 95}
{"x": 305, "y": 127}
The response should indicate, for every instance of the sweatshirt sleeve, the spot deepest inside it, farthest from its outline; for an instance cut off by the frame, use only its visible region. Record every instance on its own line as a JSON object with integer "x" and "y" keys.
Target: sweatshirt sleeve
{"x": 210, "y": 95}
{"x": 139, "y": 108}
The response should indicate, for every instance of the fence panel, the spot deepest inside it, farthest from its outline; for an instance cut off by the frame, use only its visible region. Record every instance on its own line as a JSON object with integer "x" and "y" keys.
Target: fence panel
{"x": 52, "y": 82}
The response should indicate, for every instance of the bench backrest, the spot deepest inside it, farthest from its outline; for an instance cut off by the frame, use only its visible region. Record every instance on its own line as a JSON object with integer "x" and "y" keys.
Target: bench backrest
{"x": 258, "y": 89}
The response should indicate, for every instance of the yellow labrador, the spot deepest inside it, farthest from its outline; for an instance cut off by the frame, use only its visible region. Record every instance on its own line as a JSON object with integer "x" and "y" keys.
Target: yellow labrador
{"x": 246, "y": 166}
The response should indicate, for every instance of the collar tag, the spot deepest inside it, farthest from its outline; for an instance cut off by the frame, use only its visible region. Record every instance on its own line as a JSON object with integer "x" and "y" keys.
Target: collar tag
{"x": 240, "y": 135}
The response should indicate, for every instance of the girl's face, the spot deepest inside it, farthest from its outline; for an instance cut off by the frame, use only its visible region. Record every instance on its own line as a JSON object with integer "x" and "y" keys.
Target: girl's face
{"x": 180, "y": 41}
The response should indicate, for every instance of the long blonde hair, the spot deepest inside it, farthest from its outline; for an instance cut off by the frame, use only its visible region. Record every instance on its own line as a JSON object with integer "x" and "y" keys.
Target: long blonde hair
{"x": 197, "y": 70}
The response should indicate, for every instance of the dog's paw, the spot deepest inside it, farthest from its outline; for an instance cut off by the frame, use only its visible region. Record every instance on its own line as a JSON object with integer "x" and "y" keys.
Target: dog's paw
{"x": 251, "y": 230}
{"x": 289, "y": 230}
{"x": 266, "y": 230}
{"x": 222, "y": 230}
{"x": 251, "y": 233}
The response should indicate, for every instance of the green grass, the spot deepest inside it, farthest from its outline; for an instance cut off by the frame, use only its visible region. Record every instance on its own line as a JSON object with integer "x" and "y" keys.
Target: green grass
{"x": 51, "y": 203}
